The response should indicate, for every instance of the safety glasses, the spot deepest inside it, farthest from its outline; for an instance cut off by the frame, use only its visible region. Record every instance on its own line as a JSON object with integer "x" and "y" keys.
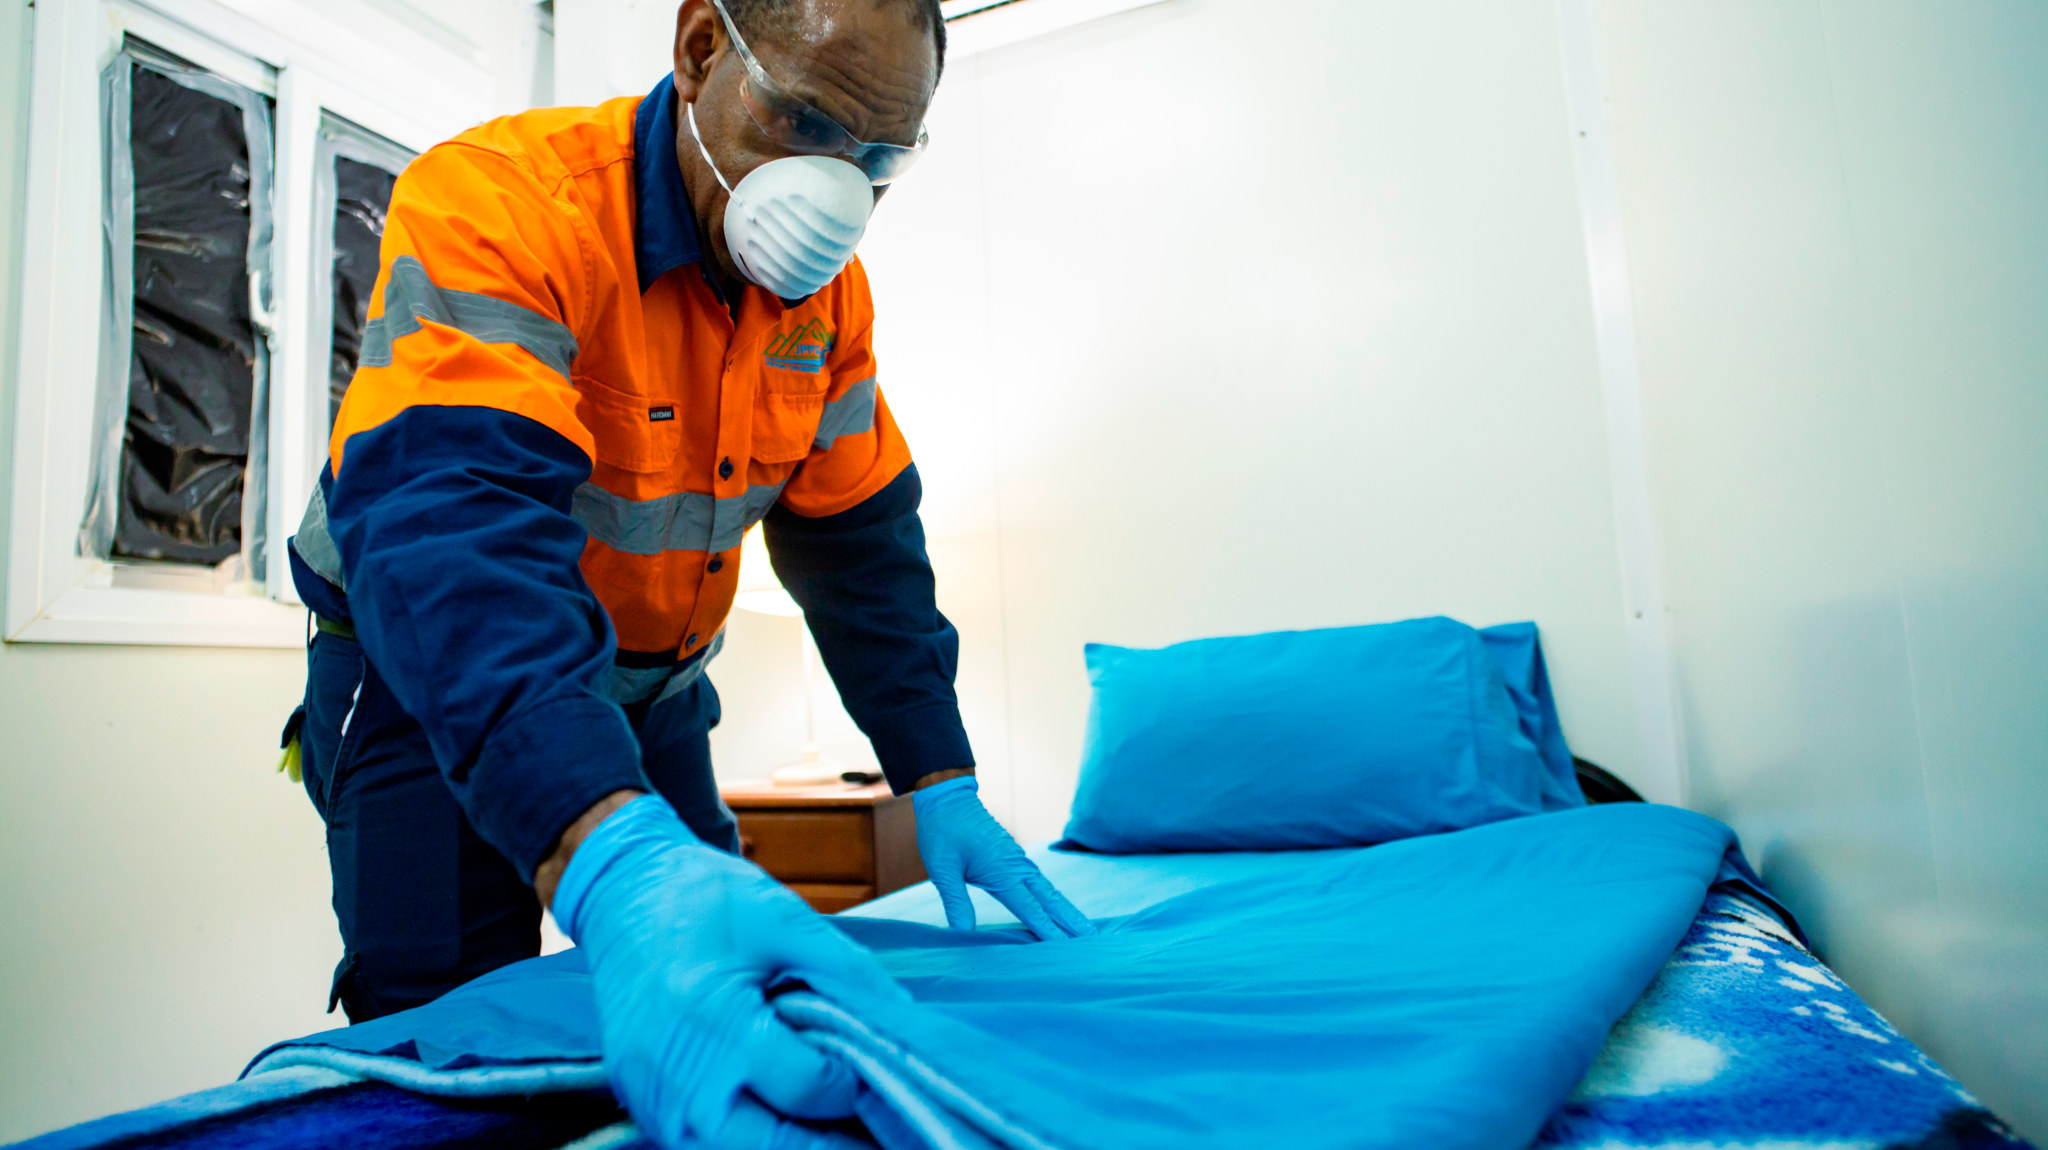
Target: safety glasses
{"x": 796, "y": 125}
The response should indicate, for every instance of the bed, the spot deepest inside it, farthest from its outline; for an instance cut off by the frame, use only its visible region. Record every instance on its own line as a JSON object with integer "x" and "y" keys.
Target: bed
{"x": 1745, "y": 1039}
{"x": 1522, "y": 957}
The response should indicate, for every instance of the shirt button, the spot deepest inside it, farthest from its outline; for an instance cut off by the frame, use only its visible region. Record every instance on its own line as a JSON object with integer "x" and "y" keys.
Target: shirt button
{"x": 690, "y": 642}
{"x": 725, "y": 469}
{"x": 715, "y": 566}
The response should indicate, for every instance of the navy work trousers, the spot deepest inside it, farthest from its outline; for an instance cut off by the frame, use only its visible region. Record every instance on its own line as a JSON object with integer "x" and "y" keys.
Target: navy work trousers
{"x": 425, "y": 904}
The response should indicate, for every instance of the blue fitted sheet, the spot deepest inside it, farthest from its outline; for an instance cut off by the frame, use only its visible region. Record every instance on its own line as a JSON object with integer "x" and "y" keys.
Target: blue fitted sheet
{"x": 1106, "y": 886}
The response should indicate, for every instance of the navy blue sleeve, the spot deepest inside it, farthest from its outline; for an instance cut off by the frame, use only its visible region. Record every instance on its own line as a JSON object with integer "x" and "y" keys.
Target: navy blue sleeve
{"x": 460, "y": 569}
{"x": 866, "y": 587}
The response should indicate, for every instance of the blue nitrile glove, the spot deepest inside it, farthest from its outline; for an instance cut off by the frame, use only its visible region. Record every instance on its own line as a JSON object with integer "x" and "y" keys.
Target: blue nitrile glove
{"x": 961, "y": 843}
{"x": 682, "y": 939}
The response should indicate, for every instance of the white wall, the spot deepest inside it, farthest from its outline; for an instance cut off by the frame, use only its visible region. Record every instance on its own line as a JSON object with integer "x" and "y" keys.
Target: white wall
{"x": 164, "y": 891}
{"x": 1839, "y": 248}
{"x": 1268, "y": 339}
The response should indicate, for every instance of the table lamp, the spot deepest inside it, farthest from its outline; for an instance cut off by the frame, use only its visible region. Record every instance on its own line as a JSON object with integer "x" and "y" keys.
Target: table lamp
{"x": 762, "y": 593}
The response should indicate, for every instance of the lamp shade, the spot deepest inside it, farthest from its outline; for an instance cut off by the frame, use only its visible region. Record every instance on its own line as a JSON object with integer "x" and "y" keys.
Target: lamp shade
{"x": 760, "y": 591}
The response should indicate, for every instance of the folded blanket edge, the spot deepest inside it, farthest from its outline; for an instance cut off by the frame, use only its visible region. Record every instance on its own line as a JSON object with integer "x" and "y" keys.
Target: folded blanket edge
{"x": 547, "y": 1077}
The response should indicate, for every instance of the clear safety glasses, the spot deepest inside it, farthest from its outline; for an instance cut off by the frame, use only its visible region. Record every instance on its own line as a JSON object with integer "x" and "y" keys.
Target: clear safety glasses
{"x": 801, "y": 128}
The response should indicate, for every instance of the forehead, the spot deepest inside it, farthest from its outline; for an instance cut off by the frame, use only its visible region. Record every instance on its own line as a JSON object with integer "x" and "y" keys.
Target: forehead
{"x": 865, "y": 63}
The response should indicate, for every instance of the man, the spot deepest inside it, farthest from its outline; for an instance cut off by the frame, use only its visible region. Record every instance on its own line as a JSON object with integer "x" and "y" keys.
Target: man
{"x": 606, "y": 342}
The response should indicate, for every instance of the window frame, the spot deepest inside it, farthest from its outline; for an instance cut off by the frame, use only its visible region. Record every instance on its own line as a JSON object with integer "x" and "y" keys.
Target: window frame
{"x": 310, "y": 427}
{"x": 400, "y": 83}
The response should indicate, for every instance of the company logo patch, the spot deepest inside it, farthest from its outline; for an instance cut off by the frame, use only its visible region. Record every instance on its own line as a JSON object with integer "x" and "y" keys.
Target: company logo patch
{"x": 660, "y": 414}
{"x": 800, "y": 350}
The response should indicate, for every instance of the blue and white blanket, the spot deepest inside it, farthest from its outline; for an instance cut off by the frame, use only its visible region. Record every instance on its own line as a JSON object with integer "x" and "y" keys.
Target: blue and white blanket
{"x": 1746, "y": 1039}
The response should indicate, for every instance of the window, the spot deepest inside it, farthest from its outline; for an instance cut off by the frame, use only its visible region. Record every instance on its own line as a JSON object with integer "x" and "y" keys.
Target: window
{"x": 207, "y": 188}
{"x": 184, "y": 330}
{"x": 354, "y": 170}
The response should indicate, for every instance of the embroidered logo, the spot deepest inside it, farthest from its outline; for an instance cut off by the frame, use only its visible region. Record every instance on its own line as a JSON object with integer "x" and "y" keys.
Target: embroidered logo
{"x": 800, "y": 350}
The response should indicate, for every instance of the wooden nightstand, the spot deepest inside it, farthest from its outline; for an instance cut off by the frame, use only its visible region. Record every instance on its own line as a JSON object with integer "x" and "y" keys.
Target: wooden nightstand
{"x": 837, "y": 846}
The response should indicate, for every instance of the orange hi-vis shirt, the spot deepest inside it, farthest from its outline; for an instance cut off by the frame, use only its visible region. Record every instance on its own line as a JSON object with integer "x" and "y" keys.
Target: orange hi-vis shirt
{"x": 528, "y": 532}
{"x": 510, "y": 280}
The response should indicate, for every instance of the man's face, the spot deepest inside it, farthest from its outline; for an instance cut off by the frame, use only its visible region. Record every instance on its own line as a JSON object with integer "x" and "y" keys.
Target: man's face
{"x": 865, "y": 63}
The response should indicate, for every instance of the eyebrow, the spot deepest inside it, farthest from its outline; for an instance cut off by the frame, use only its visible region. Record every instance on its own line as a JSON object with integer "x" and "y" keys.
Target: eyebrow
{"x": 802, "y": 83}
{"x": 804, "y": 91}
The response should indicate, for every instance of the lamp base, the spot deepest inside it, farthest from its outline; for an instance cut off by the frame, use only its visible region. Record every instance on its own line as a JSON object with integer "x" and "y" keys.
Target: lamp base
{"x": 812, "y": 770}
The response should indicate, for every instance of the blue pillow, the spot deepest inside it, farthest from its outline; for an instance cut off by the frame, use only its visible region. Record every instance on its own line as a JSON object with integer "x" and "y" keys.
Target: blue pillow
{"x": 1340, "y": 737}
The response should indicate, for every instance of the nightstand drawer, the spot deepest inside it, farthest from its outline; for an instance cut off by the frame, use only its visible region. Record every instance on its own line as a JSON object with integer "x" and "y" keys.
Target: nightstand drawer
{"x": 833, "y": 897}
{"x": 812, "y": 846}
{"x": 836, "y": 846}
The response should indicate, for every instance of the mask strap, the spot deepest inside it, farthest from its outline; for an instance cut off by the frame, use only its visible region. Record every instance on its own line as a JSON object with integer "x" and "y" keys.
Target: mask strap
{"x": 690, "y": 113}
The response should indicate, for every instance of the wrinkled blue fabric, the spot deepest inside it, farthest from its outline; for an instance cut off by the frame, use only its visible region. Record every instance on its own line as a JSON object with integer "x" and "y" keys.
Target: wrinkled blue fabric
{"x": 681, "y": 939}
{"x": 1443, "y": 991}
{"x": 1519, "y": 652}
{"x": 1361, "y": 735}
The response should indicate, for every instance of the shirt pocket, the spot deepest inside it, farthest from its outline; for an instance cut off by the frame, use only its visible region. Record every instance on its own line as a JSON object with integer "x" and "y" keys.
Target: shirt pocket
{"x": 785, "y": 424}
{"x": 633, "y": 432}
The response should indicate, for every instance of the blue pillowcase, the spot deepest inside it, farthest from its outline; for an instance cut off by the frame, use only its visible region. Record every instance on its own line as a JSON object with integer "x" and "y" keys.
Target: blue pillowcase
{"x": 1339, "y": 737}
{"x": 1519, "y": 652}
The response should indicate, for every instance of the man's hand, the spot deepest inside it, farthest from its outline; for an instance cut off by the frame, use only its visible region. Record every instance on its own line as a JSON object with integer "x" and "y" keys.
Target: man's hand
{"x": 682, "y": 941}
{"x": 961, "y": 843}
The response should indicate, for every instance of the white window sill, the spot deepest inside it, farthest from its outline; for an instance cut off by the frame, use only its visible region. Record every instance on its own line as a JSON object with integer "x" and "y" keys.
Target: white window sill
{"x": 165, "y": 618}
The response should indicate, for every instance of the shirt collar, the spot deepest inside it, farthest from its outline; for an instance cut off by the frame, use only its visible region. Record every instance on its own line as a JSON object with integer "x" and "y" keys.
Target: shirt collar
{"x": 664, "y": 228}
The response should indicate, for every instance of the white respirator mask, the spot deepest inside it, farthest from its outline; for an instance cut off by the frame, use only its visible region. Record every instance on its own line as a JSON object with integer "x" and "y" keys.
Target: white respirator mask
{"x": 792, "y": 224}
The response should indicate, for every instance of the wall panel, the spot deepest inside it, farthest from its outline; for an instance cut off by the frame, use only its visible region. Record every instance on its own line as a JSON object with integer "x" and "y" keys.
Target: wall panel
{"x": 1277, "y": 339}
{"x": 1841, "y": 262}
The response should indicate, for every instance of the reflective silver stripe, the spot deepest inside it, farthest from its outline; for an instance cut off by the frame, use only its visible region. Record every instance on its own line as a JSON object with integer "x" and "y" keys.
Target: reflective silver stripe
{"x": 736, "y": 515}
{"x": 693, "y": 672}
{"x": 850, "y": 414}
{"x": 410, "y": 296}
{"x": 686, "y": 521}
{"x": 314, "y": 545}
{"x": 631, "y": 685}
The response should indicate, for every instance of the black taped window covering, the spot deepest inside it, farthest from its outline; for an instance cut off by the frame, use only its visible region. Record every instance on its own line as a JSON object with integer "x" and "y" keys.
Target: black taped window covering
{"x": 192, "y": 367}
{"x": 362, "y": 194}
